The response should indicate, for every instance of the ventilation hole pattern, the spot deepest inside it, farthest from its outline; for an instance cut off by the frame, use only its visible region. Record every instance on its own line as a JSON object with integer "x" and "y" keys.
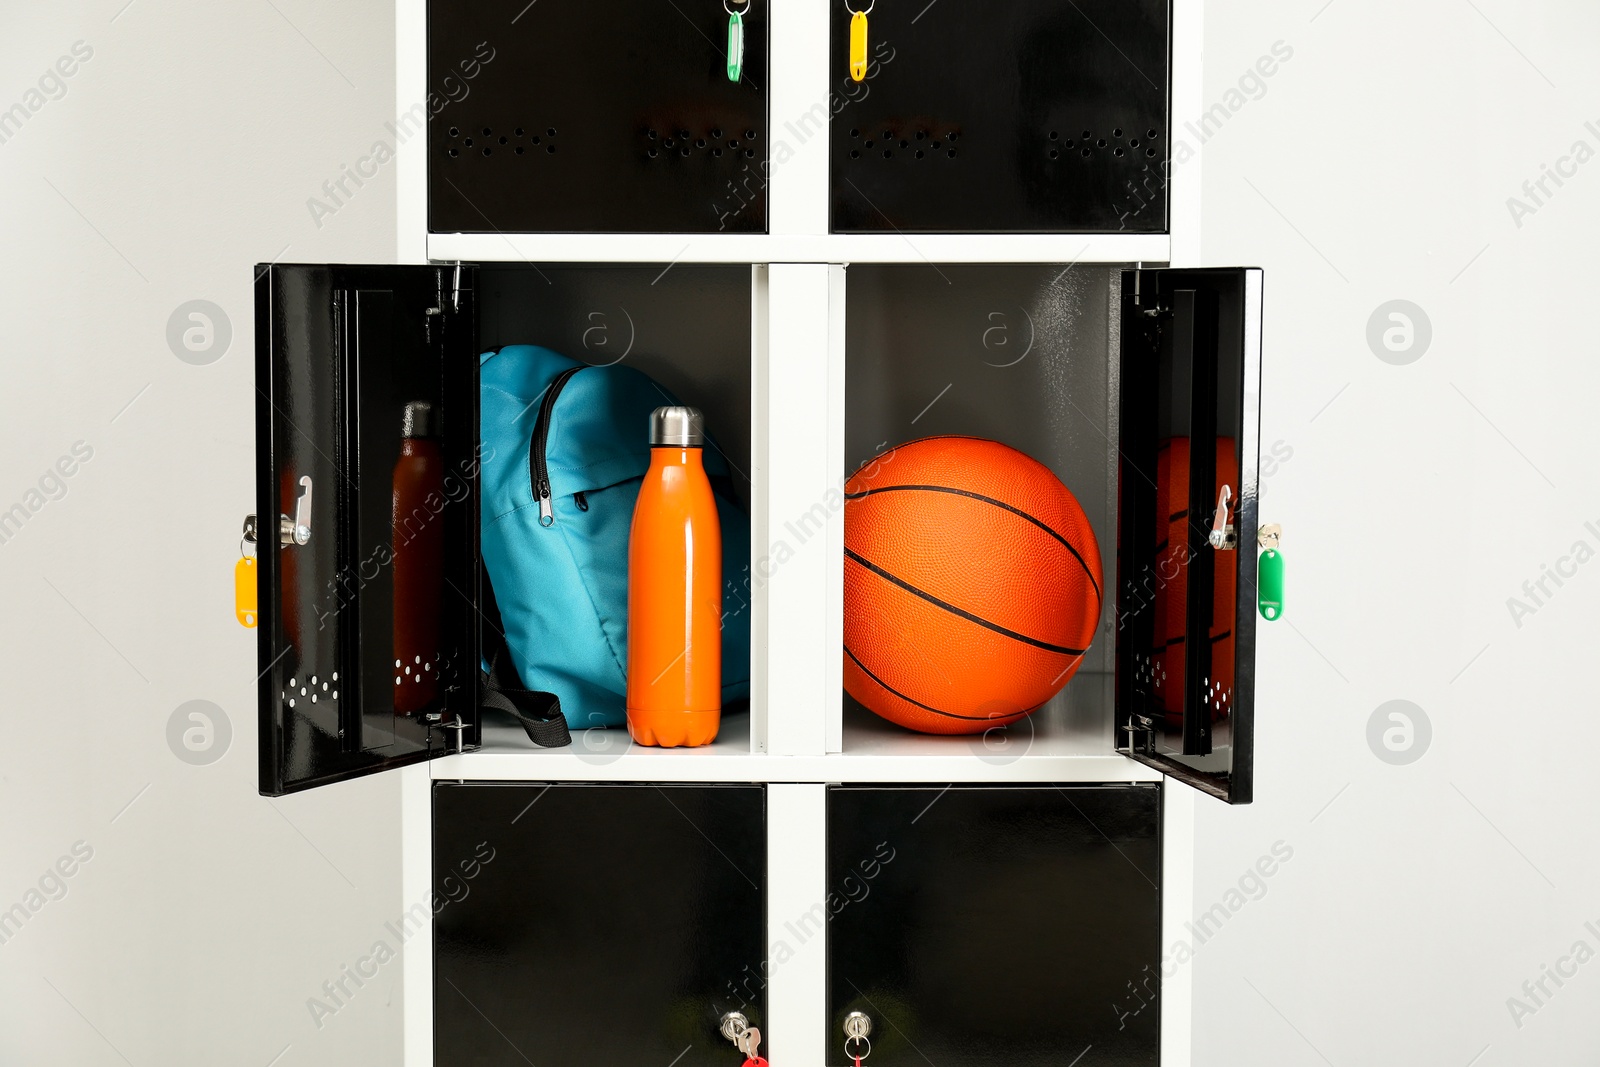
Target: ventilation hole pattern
{"x": 910, "y": 142}
{"x": 1132, "y": 145}
{"x": 480, "y": 142}
{"x": 303, "y": 691}
{"x": 660, "y": 143}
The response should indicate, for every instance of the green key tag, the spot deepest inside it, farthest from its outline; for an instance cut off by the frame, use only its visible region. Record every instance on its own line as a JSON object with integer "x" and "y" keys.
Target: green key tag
{"x": 1269, "y": 573}
{"x": 735, "y": 44}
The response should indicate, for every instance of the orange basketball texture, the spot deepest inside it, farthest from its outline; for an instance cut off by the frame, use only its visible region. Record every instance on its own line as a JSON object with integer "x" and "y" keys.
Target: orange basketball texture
{"x": 972, "y": 585}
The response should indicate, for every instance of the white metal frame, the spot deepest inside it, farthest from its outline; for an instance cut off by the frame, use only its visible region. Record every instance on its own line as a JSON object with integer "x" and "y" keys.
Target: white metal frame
{"x": 796, "y": 740}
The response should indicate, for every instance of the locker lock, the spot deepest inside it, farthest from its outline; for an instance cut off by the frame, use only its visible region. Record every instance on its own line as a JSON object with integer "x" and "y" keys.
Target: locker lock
{"x": 733, "y": 1024}
{"x": 297, "y": 531}
{"x": 857, "y": 1030}
{"x": 1222, "y": 535}
{"x": 745, "y": 1038}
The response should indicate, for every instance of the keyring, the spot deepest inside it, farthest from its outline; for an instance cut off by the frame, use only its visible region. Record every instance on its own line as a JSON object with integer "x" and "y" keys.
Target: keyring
{"x": 865, "y": 1041}
{"x": 853, "y": 11}
{"x": 735, "y": 39}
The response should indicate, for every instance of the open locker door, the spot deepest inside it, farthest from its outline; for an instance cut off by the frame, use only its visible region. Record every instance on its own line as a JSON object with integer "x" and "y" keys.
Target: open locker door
{"x": 366, "y": 431}
{"x": 1190, "y": 374}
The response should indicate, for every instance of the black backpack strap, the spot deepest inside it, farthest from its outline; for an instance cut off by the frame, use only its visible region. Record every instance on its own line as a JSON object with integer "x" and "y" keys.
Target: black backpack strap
{"x": 539, "y": 713}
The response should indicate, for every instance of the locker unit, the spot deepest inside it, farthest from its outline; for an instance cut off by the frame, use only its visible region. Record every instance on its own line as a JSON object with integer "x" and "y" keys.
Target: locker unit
{"x": 844, "y": 885}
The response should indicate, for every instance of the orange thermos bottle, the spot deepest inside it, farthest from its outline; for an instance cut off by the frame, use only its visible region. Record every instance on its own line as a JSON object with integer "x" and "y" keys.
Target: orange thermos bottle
{"x": 675, "y": 591}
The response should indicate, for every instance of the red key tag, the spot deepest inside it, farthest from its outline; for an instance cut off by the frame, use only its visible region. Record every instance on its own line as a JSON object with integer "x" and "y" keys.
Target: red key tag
{"x": 755, "y": 1061}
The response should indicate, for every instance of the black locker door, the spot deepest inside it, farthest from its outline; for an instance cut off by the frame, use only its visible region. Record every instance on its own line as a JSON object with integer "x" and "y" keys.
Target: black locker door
{"x": 604, "y": 924}
{"x": 1186, "y": 526}
{"x": 995, "y": 926}
{"x": 572, "y": 117}
{"x": 1016, "y": 117}
{"x": 343, "y": 354}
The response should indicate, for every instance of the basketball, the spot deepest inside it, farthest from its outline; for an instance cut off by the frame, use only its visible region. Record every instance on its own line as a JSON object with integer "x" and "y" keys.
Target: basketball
{"x": 972, "y": 585}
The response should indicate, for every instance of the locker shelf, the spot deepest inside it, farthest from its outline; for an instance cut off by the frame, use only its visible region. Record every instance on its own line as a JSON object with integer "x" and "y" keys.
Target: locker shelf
{"x": 1060, "y": 747}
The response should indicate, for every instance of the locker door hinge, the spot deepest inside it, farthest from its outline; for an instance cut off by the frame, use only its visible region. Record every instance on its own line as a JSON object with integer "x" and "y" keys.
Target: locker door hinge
{"x": 1141, "y": 735}
{"x": 1155, "y": 307}
{"x": 435, "y": 721}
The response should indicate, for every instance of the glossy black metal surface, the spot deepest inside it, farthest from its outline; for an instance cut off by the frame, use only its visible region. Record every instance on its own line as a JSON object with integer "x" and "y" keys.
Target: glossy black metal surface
{"x": 1007, "y": 926}
{"x": 1189, "y": 363}
{"x": 564, "y": 116}
{"x": 1031, "y": 115}
{"x": 604, "y": 924}
{"x": 339, "y": 353}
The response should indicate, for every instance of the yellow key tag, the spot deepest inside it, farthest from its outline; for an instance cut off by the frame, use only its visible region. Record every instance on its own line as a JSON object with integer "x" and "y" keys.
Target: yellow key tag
{"x": 244, "y": 591}
{"x": 858, "y": 46}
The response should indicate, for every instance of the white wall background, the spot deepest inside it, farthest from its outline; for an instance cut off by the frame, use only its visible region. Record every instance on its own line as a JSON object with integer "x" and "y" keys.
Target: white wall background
{"x": 181, "y": 153}
{"x": 1374, "y": 165}
{"x": 1420, "y": 897}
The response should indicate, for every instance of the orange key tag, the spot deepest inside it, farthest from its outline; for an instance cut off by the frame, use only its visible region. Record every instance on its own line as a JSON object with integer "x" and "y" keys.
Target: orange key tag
{"x": 244, "y": 592}
{"x": 858, "y": 46}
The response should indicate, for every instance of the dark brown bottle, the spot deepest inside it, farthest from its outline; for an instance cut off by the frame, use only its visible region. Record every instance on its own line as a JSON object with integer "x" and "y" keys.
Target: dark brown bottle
{"x": 418, "y": 527}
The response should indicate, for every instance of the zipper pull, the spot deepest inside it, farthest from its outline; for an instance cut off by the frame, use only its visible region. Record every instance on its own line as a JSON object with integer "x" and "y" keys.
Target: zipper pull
{"x": 546, "y": 514}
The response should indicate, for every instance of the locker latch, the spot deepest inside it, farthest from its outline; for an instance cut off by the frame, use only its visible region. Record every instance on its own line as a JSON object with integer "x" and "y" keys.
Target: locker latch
{"x": 297, "y": 531}
{"x": 1222, "y": 536}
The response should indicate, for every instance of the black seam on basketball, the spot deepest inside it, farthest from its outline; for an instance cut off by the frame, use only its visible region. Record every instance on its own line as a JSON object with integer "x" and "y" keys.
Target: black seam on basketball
{"x": 952, "y": 609}
{"x": 1098, "y": 595}
{"x": 947, "y": 714}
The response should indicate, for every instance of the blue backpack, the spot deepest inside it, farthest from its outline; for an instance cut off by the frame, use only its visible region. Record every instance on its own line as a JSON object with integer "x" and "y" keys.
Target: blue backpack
{"x": 565, "y": 449}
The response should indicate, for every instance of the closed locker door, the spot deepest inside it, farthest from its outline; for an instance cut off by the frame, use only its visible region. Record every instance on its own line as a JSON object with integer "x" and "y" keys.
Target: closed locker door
{"x": 606, "y": 924}
{"x": 1007, "y": 926}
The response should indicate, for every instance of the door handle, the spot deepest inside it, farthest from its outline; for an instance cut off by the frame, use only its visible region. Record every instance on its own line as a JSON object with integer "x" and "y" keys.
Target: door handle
{"x": 297, "y": 531}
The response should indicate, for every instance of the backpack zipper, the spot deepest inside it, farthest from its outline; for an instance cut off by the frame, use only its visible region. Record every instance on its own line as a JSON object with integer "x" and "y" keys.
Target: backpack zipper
{"x": 537, "y": 471}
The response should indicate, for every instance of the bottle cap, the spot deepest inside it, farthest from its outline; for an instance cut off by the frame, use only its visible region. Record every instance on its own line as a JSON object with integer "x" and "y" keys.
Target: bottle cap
{"x": 677, "y": 427}
{"x": 418, "y": 419}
